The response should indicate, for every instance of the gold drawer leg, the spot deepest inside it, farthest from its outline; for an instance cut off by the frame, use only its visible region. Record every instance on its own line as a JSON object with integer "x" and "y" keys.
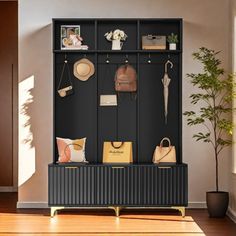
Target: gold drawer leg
{"x": 116, "y": 209}
{"x": 181, "y": 209}
{"x": 54, "y": 210}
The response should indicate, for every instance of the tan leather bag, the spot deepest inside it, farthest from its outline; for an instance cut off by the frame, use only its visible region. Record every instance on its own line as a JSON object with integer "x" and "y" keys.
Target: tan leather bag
{"x": 117, "y": 152}
{"x": 126, "y": 79}
{"x": 164, "y": 154}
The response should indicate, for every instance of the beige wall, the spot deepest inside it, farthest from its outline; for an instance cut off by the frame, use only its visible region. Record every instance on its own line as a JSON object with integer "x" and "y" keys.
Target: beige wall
{"x": 205, "y": 24}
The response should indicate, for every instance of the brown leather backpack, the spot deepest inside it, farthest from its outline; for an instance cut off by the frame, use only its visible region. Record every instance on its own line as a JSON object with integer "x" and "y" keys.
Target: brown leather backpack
{"x": 126, "y": 79}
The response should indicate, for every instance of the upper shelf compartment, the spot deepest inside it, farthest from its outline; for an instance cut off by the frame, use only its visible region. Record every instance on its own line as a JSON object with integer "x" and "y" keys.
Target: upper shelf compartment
{"x": 93, "y": 33}
{"x": 128, "y": 26}
{"x": 161, "y": 27}
{"x": 64, "y": 27}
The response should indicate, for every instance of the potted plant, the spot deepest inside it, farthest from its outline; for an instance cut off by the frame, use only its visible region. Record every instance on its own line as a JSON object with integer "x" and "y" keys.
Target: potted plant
{"x": 172, "y": 39}
{"x": 215, "y": 95}
{"x": 116, "y": 37}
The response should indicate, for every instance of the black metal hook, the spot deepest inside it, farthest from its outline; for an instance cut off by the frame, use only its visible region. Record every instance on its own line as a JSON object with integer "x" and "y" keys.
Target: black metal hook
{"x": 65, "y": 59}
{"x": 126, "y": 59}
{"x": 149, "y": 59}
{"x": 107, "y": 60}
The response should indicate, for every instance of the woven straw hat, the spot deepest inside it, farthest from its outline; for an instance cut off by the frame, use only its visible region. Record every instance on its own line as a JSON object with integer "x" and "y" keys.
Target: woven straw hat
{"x": 83, "y": 69}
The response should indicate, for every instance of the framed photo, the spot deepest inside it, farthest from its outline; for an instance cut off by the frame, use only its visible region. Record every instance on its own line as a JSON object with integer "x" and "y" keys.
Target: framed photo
{"x": 70, "y": 37}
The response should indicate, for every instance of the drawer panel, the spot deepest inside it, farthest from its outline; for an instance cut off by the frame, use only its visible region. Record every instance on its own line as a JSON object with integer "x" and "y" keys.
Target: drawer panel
{"x": 118, "y": 185}
{"x": 72, "y": 186}
{"x": 164, "y": 186}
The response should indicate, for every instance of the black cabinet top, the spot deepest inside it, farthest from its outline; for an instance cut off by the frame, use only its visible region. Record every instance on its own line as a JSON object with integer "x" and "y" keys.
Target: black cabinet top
{"x": 78, "y": 164}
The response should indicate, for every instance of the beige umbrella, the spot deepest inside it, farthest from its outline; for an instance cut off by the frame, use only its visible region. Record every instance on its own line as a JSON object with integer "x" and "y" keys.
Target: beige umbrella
{"x": 166, "y": 81}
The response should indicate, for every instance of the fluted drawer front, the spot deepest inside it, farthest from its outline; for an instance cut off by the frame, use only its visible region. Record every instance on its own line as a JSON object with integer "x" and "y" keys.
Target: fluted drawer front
{"x": 102, "y": 185}
{"x": 164, "y": 186}
{"x": 118, "y": 185}
{"x": 72, "y": 186}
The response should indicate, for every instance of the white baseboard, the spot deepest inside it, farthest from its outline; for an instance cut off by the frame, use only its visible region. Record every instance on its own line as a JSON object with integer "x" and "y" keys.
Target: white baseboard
{"x": 195, "y": 205}
{"x": 8, "y": 189}
{"x": 231, "y": 214}
{"x": 32, "y": 205}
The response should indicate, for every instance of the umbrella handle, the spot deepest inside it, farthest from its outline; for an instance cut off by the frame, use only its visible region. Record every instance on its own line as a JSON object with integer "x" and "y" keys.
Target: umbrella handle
{"x": 171, "y": 65}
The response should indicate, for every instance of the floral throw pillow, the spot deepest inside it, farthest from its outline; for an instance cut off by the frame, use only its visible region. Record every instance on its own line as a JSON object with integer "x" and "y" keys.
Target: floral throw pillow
{"x": 71, "y": 150}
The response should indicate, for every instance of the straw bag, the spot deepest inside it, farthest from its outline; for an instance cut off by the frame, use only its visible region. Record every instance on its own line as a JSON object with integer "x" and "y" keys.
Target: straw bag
{"x": 164, "y": 154}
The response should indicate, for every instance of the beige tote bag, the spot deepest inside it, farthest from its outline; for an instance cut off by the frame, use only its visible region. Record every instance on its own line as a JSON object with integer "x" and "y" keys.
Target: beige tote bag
{"x": 164, "y": 154}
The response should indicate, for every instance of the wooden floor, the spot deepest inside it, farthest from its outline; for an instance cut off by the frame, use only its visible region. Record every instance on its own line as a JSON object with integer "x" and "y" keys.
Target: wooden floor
{"x": 103, "y": 222}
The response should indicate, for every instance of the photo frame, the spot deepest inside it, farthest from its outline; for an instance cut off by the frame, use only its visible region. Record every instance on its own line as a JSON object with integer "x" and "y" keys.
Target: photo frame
{"x": 70, "y": 37}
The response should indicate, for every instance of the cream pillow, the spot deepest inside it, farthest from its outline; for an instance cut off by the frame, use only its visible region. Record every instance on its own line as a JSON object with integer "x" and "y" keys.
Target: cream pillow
{"x": 71, "y": 150}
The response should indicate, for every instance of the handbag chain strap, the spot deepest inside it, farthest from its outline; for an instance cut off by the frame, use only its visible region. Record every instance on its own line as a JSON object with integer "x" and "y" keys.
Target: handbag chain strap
{"x": 62, "y": 73}
{"x": 117, "y": 147}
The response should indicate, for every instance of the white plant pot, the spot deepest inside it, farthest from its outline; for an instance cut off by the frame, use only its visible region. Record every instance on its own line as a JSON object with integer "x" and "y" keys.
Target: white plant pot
{"x": 172, "y": 46}
{"x": 116, "y": 44}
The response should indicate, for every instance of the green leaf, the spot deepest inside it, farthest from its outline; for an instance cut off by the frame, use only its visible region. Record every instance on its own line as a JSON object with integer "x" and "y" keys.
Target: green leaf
{"x": 189, "y": 113}
{"x": 214, "y": 99}
{"x": 224, "y": 142}
{"x": 203, "y": 137}
{"x": 195, "y": 121}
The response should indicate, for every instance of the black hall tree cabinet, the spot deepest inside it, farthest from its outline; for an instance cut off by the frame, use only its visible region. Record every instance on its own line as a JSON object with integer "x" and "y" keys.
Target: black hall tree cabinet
{"x": 140, "y": 120}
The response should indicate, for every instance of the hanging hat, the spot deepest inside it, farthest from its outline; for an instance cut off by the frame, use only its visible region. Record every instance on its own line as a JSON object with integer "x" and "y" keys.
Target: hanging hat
{"x": 83, "y": 69}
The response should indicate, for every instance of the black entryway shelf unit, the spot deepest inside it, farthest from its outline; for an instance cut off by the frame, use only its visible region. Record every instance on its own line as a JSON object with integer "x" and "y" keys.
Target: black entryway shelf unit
{"x": 139, "y": 120}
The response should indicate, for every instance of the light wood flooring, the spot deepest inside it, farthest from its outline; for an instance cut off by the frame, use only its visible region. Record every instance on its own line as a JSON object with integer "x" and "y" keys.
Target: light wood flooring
{"x": 103, "y": 222}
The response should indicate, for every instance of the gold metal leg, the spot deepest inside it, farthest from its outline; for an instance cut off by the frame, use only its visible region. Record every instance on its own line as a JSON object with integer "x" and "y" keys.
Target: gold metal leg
{"x": 54, "y": 210}
{"x": 181, "y": 209}
{"x": 116, "y": 209}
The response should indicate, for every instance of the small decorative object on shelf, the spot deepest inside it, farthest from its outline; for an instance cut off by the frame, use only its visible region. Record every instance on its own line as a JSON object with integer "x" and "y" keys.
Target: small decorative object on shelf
{"x": 153, "y": 42}
{"x": 71, "y": 39}
{"x": 116, "y": 37}
{"x": 172, "y": 39}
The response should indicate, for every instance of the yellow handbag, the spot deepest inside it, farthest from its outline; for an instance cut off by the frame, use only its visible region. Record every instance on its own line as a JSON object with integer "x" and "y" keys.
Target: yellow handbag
{"x": 117, "y": 152}
{"x": 164, "y": 154}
